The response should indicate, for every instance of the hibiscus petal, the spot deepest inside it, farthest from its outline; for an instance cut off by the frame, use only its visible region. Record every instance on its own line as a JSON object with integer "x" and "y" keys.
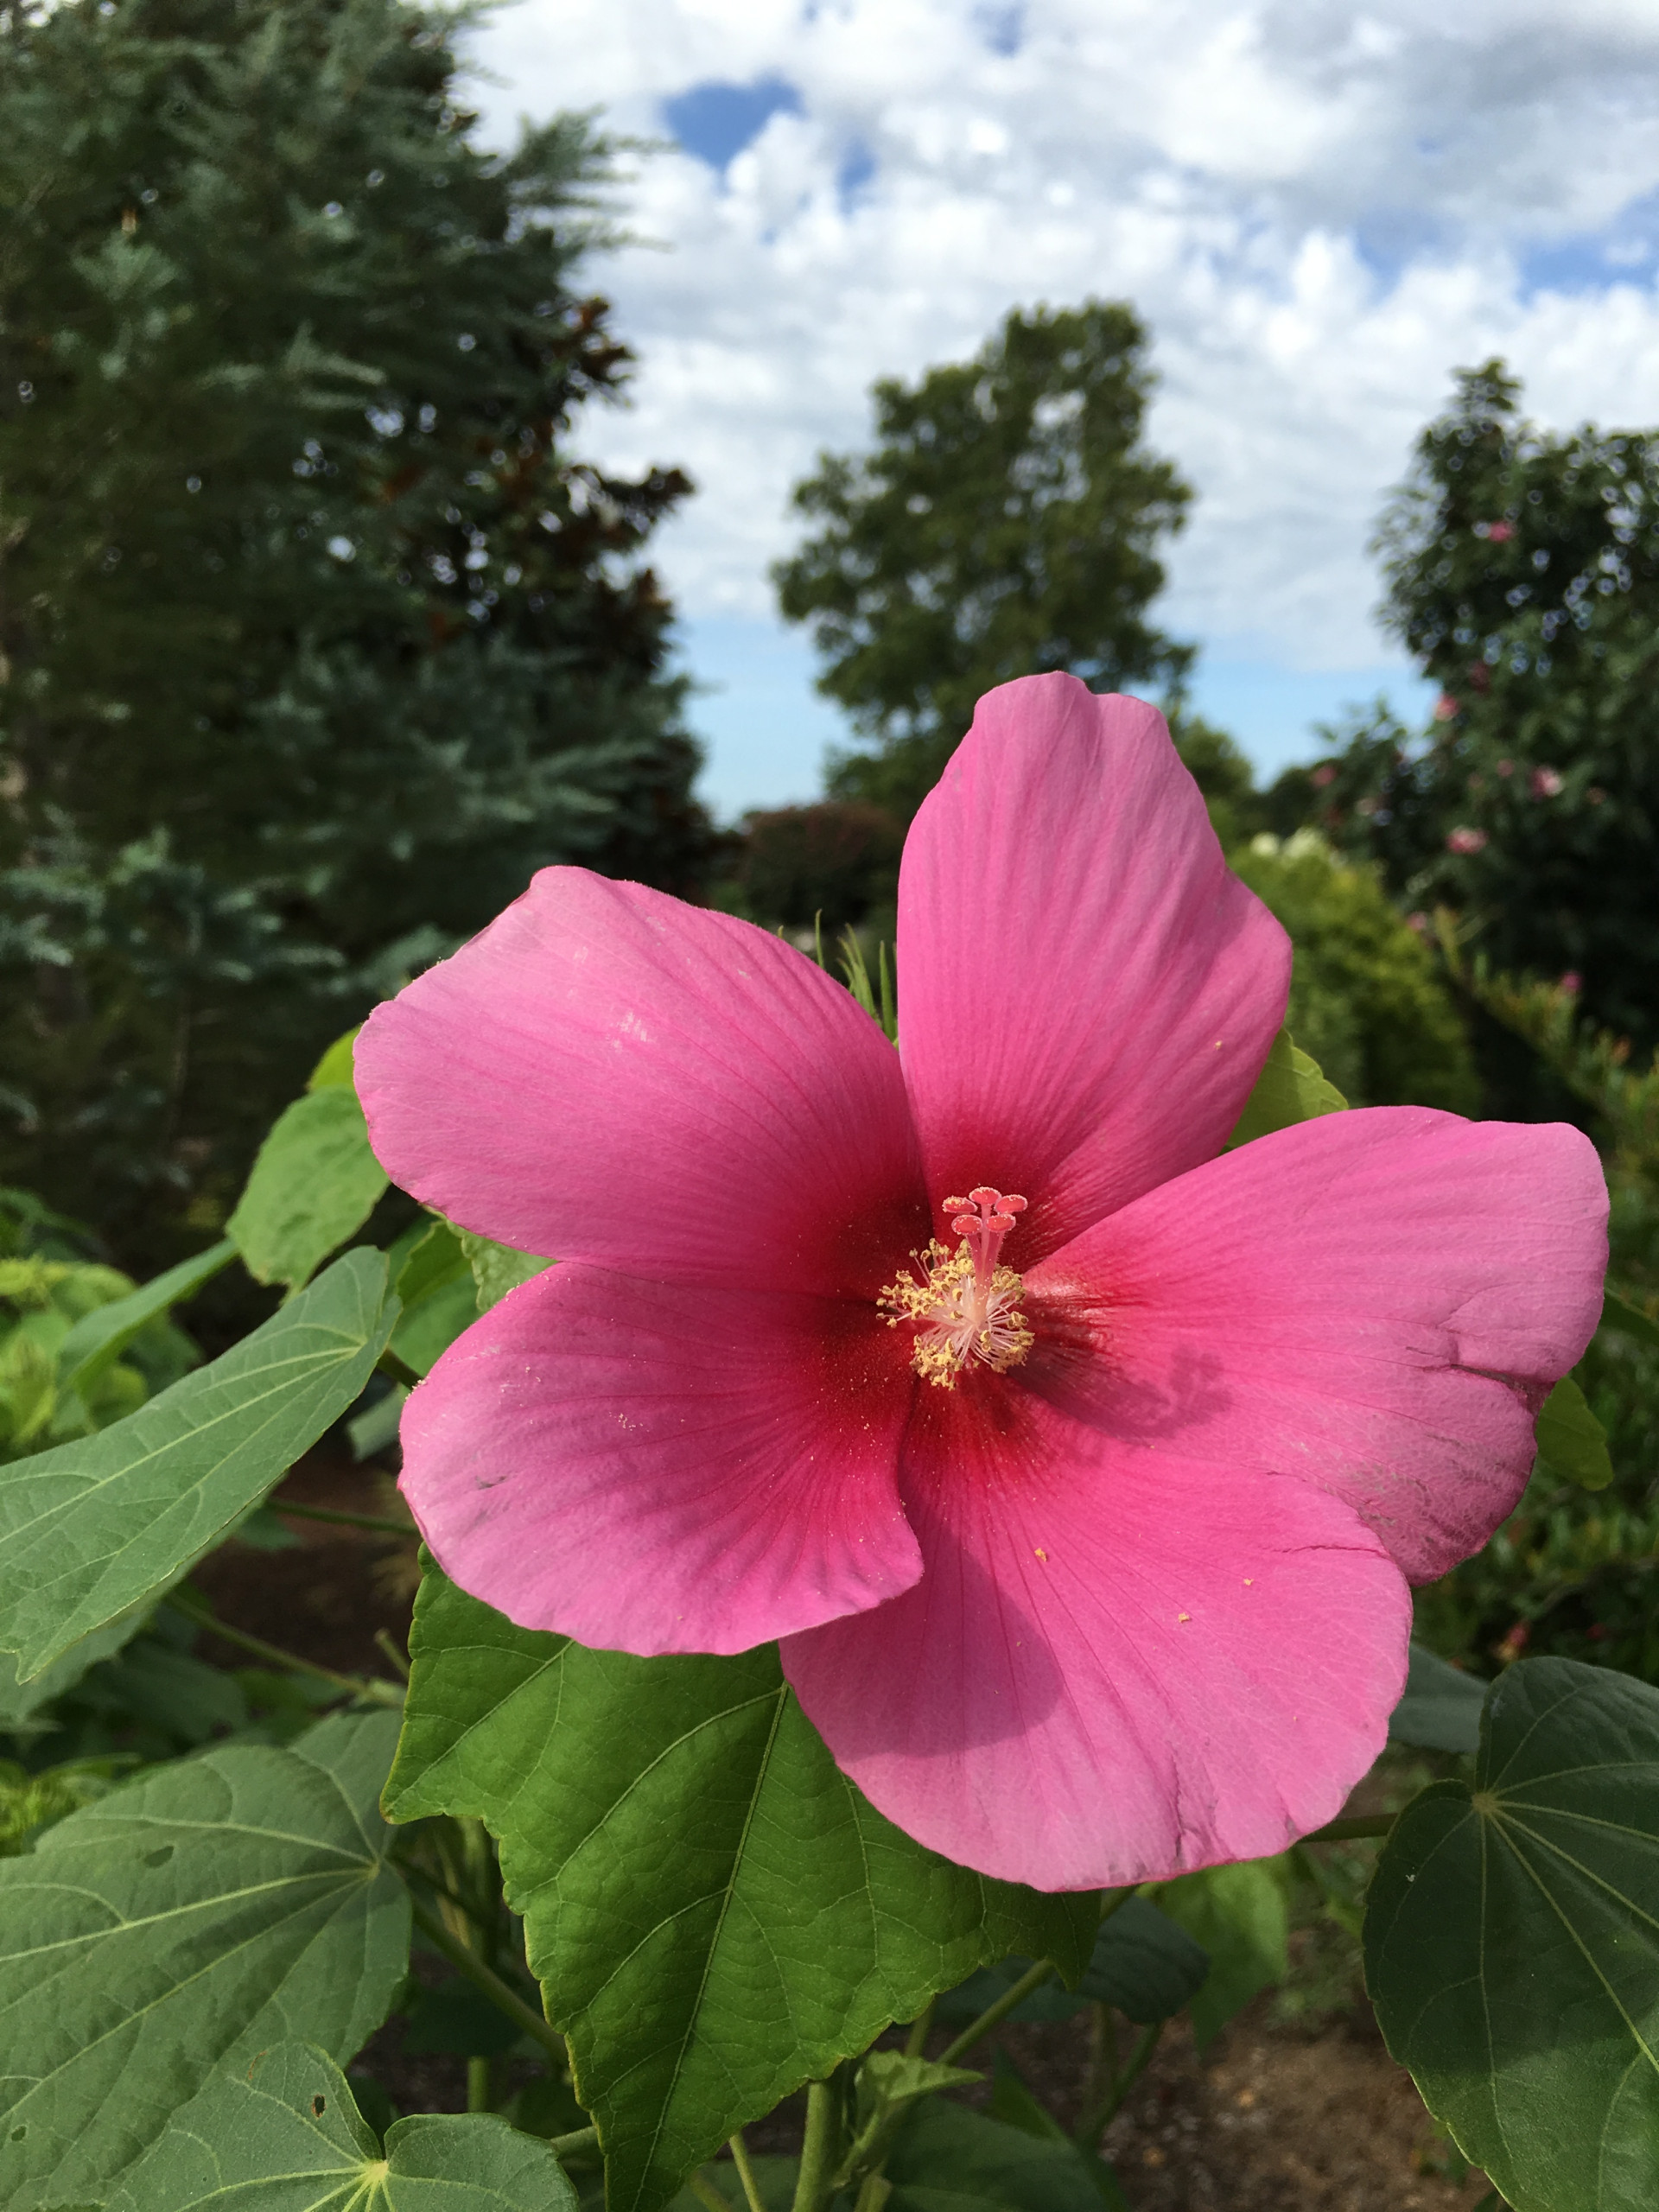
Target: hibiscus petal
{"x": 1376, "y": 1301}
{"x": 1120, "y": 1663}
{"x": 650, "y": 1468}
{"x": 606, "y": 1074}
{"x": 1088, "y": 991}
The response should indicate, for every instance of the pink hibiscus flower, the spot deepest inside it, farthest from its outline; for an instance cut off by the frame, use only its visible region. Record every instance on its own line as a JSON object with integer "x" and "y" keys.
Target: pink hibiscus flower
{"x": 1080, "y": 1465}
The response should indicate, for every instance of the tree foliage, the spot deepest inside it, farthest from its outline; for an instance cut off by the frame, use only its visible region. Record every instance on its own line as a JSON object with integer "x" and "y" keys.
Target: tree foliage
{"x": 1523, "y": 574}
{"x": 1006, "y": 524}
{"x": 318, "y": 637}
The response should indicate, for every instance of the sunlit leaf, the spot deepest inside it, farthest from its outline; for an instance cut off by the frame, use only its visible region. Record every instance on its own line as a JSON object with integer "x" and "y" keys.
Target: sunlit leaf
{"x": 496, "y": 1268}
{"x": 194, "y": 1916}
{"x": 715, "y": 1913}
{"x": 1289, "y": 1088}
{"x": 313, "y": 1184}
{"x": 1512, "y": 1941}
{"x": 90, "y": 1528}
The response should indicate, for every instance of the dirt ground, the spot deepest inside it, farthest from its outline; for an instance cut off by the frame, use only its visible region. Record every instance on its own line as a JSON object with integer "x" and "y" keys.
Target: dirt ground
{"x": 1272, "y": 2119}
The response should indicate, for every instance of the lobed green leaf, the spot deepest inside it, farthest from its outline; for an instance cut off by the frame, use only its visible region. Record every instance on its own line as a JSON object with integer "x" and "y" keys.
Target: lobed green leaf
{"x": 91, "y": 1529}
{"x": 715, "y": 1912}
{"x": 187, "y": 1921}
{"x": 1512, "y": 1941}
{"x": 286, "y": 2135}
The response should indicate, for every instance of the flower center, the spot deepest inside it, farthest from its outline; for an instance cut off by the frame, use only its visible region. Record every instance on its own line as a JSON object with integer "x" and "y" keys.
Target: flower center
{"x": 961, "y": 1304}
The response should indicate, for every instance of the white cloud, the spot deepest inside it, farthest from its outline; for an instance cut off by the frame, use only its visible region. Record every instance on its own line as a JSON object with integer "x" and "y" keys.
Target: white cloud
{"x": 1318, "y": 213}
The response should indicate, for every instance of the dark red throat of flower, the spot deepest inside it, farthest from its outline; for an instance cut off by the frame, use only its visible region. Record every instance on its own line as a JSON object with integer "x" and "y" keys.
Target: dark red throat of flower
{"x": 963, "y": 1305}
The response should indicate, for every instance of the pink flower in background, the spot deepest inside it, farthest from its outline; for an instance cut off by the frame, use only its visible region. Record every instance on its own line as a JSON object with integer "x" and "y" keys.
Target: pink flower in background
{"x": 1506, "y": 767}
{"x": 1323, "y": 776}
{"x": 1546, "y": 783}
{"x": 1499, "y": 533}
{"x": 1079, "y": 1465}
{"x": 1572, "y": 983}
{"x": 1466, "y": 840}
{"x": 1446, "y": 708}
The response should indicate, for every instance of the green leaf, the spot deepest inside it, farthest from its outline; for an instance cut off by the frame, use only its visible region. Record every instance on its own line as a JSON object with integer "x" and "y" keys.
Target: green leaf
{"x": 90, "y": 1528}
{"x": 1012, "y": 2103}
{"x": 439, "y": 1296}
{"x": 949, "y": 2159}
{"x": 313, "y": 1184}
{"x": 1144, "y": 1964}
{"x": 1440, "y": 1710}
{"x": 336, "y": 1065}
{"x": 1571, "y": 1441}
{"x": 188, "y": 1920}
{"x": 290, "y": 2129}
{"x": 1512, "y": 1945}
{"x": 715, "y": 1912}
{"x": 1620, "y": 1313}
{"x": 1289, "y": 1088}
{"x": 1238, "y": 1914}
{"x": 99, "y": 1337}
{"x": 496, "y": 1268}
{"x": 373, "y": 1430}
{"x": 20, "y": 1701}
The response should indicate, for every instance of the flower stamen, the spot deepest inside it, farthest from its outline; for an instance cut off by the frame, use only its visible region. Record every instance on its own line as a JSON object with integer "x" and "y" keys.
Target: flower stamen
{"x": 963, "y": 1305}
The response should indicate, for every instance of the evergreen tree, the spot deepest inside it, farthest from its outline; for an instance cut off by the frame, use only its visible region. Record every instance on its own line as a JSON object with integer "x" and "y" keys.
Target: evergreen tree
{"x": 1523, "y": 574}
{"x": 1006, "y": 524}
{"x": 319, "y": 638}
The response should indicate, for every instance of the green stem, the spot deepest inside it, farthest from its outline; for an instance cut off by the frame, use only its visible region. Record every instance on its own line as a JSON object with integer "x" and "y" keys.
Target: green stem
{"x": 356, "y": 1685}
{"x": 399, "y": 1369}
{"x": 374, "y": 1521}
{"x": 504, "y": 1999}
{"x": 1344, "y": 1831}
{"x": 387, "y": 1647}
{"x": 916, "y": 2041}
{"x": 478, "y": 2085}
{"x": 740, "y": 2151}
{"x": 1088, "y": 2132}
{"x": 579, "y": 2139}
{"x": 705, "y": 2192}
{"x": 874, "y": 2194}
{"x": 993, "y": 2015}
{"x": 818, "y": 2150}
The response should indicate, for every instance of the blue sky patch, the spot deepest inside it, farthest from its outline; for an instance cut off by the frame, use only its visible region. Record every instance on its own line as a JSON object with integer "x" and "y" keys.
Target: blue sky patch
{"x": 717, "y": 121}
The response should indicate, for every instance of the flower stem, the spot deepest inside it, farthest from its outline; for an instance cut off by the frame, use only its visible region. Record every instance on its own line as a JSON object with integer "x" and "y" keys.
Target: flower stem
{"x": 705, "y": 2192}
{"x": 504, "y": 1999}
{"x": 579, "y": 2139}
{"x": 1088, "y": 2132}
{"x": 916, "y": 2041}
{"x": 356, "y": 1685}
{"x": 822, "y": 2142}
{"x": 374, "y": 1521}
{"x": 993, "y": 2015}
{"x": 1360, "y": 1824}
{"x": 740, "y": 2151}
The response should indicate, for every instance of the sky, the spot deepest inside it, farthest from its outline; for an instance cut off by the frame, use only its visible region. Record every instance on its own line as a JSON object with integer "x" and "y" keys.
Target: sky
{"x": 1319, "y": 211}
